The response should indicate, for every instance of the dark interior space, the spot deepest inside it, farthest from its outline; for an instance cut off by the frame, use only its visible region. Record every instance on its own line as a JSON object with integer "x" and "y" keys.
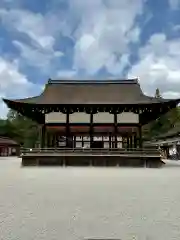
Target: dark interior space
{"x": 97, "y": 144}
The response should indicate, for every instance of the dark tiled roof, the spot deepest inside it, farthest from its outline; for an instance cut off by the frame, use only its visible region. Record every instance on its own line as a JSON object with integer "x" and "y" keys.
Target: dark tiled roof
{"x": 92, "y": 92}
{"x": 7, "y": 141}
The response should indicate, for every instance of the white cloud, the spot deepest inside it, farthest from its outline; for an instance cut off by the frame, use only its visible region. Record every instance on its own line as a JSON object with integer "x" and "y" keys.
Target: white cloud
{"x": 13, "y": 84}
{"x": 102, "y": 31}
{"x": 65, "y": 74}
{"x": 37, "y": 57}
{"x": 105, "y": 31}
{"x": 35, "y": 25}
{"x": 174, "y": 4}
{"x": 171, "y": 95}
{"x": 158, "y": 66}
{"x": 40, "y": 29}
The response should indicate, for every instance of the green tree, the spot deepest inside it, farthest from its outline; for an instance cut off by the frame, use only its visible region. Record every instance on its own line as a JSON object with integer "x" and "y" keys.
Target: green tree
{"x": 164, "y": 123}
{"x": 19, "y": 128}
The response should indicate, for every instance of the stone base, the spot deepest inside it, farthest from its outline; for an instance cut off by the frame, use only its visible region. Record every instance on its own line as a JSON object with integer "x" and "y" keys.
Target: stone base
{"x": 91, "y": 160}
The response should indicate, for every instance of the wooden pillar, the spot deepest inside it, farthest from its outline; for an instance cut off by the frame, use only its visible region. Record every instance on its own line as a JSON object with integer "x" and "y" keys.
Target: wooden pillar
{"x": 91, "y": 129}
{"x": 131, "y": 142}
{"x": 128, "y": 143}
{"x": 115, "y": 129}
{"x": 74, "y": 141}
{"x": 140, "y": 136}
{"x": 43, "y": 133}
{"x": 135, "y": 140}
{"x": 82, "y": 141}
{"x": 48, "y": 139}
{"x": 54, "y": 140}
{"x": 67, "y": 128}
{"x": 109, "y": 141}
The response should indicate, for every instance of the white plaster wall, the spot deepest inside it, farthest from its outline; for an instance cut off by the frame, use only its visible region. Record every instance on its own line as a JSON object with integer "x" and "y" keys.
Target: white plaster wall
{"x": 128, "y": 117}
{"x": 103, "y": 118}
{"x": 79, "y": 117}
{"x": 55, "y": 117}
{"x": 125, "y": 117}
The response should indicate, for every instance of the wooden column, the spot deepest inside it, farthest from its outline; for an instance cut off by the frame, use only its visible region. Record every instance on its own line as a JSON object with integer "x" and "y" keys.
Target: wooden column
{"x": 48, "y": 139}
{"x": 74, "y": 141}
{"x": 54, "y": 140}
{"x": 43, "y": 134}
{"x": 91, "y": 129}
{"x": 67, "y": 128}
{"x": 135, "y": 140}
{"x": 115, "y": 129}
{"x": 131, "y": 141}
{"x": 128, "y": 142}
{"x": 39, "y": 136}
{"x": 82, "y": 141}
{"x": 140, "y": 136}
{"x": 109, "y": 141}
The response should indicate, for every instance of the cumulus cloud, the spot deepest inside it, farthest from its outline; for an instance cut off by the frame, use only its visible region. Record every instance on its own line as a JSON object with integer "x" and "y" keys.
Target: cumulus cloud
{"x": 158, "y": 66}
{"x": 105, "y": 30}
{"x": 101, "y": 30}
{"x": 14, "y": 84}
{"x": 37, "y": 57}
{"x": 41, "y": 31}
{"x": 35, "y": 25}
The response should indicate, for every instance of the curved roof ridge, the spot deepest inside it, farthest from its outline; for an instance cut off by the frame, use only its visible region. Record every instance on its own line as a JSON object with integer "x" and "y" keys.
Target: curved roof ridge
{"x": 92, "y": 81}
{"x": 24, "y": 100}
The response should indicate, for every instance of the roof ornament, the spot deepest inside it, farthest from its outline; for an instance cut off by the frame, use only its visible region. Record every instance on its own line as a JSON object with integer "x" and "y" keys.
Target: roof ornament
{"x": 49, "y": 81}
{"x": 137, "y": 80}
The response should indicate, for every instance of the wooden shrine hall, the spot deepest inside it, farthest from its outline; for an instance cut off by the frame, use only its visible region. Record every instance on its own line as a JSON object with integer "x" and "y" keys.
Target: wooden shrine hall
{"x": 91, "y": 122}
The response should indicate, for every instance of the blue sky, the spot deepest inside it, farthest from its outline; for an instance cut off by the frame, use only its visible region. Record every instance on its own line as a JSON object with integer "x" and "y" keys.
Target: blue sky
{"x": 96, "y": 39}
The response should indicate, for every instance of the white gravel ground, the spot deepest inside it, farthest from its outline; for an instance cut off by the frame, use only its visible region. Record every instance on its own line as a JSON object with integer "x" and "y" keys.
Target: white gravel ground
{"x": 76, "y": 203}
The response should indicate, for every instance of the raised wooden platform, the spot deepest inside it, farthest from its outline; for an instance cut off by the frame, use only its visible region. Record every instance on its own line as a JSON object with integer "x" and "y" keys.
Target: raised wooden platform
{"x": 92, "y": 157}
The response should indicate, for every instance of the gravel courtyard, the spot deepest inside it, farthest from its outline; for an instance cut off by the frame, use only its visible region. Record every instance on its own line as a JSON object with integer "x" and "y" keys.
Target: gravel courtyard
{"x": 75, "y": 203}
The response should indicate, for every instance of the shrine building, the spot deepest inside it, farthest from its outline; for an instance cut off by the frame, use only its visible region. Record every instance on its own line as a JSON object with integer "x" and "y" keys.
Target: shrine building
{"x": 109, "y": 114}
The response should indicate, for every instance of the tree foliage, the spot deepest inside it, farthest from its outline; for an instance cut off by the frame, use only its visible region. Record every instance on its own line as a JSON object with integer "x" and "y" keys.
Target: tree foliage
{"x": 164, "y": 123}
{"x": 19, "y": 128}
